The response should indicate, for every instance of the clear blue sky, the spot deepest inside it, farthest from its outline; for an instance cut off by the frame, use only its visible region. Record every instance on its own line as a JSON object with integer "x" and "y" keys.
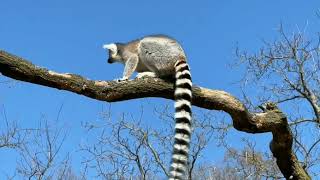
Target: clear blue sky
{"x": 67, "y": 36}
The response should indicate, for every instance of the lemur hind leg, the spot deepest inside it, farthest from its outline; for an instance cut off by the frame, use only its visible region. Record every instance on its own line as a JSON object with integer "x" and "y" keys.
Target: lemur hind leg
{"x": 146, "y": 74}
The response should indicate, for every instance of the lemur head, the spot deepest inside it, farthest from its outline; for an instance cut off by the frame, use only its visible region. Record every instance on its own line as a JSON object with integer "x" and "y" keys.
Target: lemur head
{"x": 114, "y": 52}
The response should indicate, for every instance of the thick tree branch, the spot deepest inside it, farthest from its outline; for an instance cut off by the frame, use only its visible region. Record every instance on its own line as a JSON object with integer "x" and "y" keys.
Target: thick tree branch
{"x": 273, "y": 120}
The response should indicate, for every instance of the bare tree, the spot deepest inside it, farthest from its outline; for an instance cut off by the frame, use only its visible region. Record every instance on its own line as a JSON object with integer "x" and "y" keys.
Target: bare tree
{"x": 11, "y": 135}
{"x": 134, "y": 150}
{"x": 38, "y": 149}
{"x": 252, "y": 164}
{"x": 240, "y": 164}
{"x": 288, "y": 73}
{"x": 39, "y": 154}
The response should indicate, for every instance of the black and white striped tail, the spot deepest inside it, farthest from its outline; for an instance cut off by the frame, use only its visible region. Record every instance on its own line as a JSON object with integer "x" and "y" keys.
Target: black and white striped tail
{"x": 183, "y": 96}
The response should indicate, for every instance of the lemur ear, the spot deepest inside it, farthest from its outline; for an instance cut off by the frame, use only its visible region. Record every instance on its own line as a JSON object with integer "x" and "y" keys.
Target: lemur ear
{"x": 112, "y": 47}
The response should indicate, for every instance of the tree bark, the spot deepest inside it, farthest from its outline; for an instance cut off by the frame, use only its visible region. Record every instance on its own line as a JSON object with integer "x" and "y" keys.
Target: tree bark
{"x": 272, "y": 120}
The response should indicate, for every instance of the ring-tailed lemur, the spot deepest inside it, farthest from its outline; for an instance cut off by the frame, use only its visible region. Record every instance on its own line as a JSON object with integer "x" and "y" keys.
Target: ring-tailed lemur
{"x": 161, "y": 56}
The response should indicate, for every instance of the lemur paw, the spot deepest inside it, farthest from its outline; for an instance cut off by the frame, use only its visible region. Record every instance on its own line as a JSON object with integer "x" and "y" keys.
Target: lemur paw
{"x": 146, "y": 74}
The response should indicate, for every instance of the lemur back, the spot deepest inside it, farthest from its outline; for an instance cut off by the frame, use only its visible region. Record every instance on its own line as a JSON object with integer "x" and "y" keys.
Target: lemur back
{"x": 162, "y": 56}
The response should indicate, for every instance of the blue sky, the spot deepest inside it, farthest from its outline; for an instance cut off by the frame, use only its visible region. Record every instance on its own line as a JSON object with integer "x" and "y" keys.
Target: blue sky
{"x": 67, "y": 36}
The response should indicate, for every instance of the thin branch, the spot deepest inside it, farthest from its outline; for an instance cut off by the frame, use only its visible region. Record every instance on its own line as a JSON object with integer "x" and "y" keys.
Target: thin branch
{"x": 156, "y": 156}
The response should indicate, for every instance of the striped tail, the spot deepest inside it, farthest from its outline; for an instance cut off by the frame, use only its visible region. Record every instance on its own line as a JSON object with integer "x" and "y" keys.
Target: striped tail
{"x": 183, "y": 96}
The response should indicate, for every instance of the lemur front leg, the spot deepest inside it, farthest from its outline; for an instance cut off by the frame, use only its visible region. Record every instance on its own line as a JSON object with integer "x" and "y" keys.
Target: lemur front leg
{"x": 130, "y": 67}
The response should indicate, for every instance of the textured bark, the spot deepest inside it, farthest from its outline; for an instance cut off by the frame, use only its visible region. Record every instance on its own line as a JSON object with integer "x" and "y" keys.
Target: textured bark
{"x": 272, "y": 120}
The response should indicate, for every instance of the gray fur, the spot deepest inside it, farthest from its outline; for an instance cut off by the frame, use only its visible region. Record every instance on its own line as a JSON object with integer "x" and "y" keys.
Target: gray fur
{"x": 156, "y": 54}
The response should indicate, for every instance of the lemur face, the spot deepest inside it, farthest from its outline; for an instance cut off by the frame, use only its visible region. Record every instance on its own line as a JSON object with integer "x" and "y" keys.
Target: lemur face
{"x": 114, "y": 55}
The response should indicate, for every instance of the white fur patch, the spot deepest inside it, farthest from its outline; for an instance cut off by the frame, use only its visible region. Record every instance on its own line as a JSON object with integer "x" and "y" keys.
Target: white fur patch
{"x": 183, "y": 114}
{"x": 183, "y": 81}
{"x": 181, "y": 66}
{"x": 178, "y": 165}
{"x": 184, "y": 126}
{"x": 175, "y": 174}
{"x": 180, "y": 157}
{"x": 182, "y": 91}
{"x": 182, "y": 73}
{"x": 175, "y": 166}
{"x": 183, "y": 137}
{"x": 112, "y": 47}
{"x": 182, "y": 102}
{"x": 181, "y": 147}
{"x": 146, "y": 74}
